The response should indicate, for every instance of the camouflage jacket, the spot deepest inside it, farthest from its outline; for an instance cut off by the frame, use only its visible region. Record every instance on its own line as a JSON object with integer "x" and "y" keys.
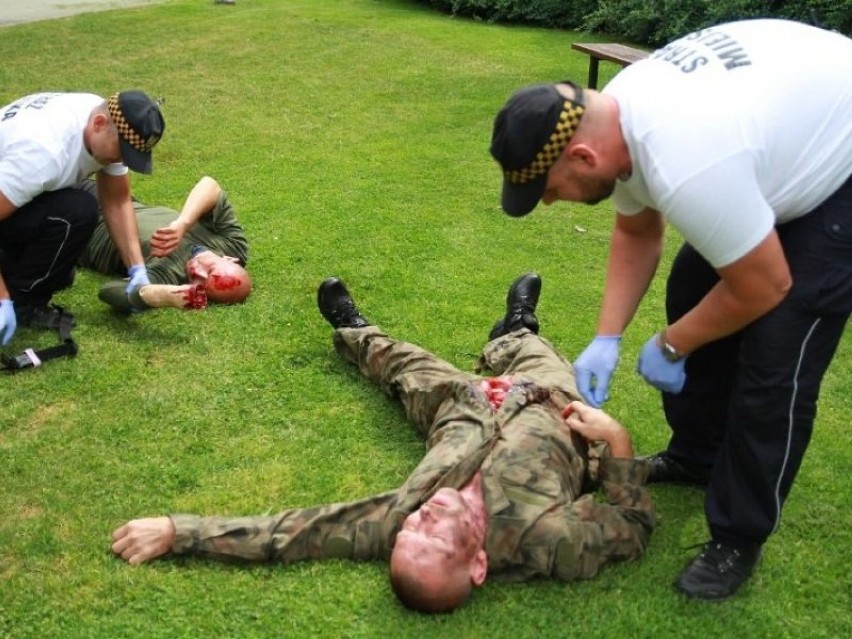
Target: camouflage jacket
{"x": 543, "y": 522}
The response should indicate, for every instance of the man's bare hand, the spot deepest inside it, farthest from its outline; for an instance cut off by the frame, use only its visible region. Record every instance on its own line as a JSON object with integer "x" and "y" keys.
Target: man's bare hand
{"x": 595, "y": 425}
{"x": 166, "y": 239}
{"x": 144, "y": 539}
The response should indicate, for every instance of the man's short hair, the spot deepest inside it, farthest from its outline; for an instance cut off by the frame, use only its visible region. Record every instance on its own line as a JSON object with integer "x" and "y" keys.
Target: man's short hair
{"x": 414, "y": 593}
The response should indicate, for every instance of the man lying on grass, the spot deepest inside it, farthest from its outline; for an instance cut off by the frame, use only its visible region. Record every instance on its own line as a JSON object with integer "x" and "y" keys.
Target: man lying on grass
{"x": 192, "y": 256}
{"x": 503, "y": 487}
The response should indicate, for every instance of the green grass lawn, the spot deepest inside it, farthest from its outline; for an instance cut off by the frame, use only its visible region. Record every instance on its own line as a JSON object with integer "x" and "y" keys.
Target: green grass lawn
{"x": 352, "y": 137}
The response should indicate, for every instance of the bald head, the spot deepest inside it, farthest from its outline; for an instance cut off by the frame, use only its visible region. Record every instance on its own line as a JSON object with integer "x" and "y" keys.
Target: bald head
{"x": 224, "y": 279}
{"x": 426, "y": 586}
{"x": 228, "y": 283}
{"x": 439, "y": 554}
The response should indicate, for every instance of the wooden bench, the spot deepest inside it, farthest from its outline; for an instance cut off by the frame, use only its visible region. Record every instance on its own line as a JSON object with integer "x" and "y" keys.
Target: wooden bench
{"x": 609, "y": 51}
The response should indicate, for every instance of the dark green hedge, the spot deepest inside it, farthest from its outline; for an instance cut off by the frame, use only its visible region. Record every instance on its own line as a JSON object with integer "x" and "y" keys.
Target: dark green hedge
{"x": 648, "y": 22}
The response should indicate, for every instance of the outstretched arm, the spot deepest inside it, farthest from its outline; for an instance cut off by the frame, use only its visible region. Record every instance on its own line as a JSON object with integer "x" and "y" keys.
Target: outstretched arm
{"x": 144, "y": 539}
{"x": 635, "y": 251}
{"x": 353, "y": 530}
{"x": 117, "y": 209}
{"x": 140, "y": 298}
{"x": 200, "y": 202}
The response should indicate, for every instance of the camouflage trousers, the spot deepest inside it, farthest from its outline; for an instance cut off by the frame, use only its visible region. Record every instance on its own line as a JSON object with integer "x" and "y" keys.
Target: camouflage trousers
{"x": 434, "y": 392}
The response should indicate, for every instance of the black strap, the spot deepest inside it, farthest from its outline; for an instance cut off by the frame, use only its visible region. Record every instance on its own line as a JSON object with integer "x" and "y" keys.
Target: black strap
{"x": 33, "y": 359}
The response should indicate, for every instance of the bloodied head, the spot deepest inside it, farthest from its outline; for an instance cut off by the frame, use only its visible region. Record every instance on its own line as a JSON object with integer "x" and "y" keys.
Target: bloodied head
{"x": 224, "y": 279}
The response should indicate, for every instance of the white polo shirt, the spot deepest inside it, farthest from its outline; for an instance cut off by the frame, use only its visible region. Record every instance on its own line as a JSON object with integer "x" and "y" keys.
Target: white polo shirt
{"x": 41, "y": 144}
{"x": 736, "y": 128}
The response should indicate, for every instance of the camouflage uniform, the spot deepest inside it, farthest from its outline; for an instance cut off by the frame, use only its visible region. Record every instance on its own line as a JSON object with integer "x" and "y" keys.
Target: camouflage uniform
{"x": 533, "y": 471}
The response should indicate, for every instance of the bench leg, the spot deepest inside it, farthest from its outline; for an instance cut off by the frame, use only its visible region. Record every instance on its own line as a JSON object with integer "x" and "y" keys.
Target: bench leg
{"x": 593, "y": 72}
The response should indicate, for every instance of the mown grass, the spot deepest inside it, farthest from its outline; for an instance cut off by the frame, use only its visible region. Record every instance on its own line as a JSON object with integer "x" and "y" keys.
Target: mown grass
{"x": 352, "y": 137}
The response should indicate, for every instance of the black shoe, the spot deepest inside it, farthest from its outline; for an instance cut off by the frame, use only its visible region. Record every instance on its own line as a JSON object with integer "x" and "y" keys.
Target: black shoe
{"x": 41, "y": 316}
{"x": 665, "y": 468}
{"x": 337, "y": 306}
{"x": 520, "y": 306}
{"x": 718, "y": 571}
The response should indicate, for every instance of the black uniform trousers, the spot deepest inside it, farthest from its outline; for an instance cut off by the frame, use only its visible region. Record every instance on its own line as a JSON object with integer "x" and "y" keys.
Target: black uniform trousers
{"x": 749, "y": 402}
{"x": 41, "y": 241}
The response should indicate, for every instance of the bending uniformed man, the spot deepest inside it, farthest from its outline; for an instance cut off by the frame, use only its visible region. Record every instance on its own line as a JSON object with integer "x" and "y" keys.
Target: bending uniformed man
{"x": 740, "y": 137}
{"x": 192, "y": 256}
{"x": 48, "y": 143}
{"x": 503, "y": 487}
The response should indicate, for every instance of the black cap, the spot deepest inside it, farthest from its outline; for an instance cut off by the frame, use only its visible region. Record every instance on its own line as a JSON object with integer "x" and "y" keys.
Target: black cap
{"x": 530, "y": 133}
{"x": 140, "y": 126}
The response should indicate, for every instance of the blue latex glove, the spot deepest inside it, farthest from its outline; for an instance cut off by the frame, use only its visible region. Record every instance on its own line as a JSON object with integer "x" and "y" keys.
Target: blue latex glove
{"x": 658, "y": 371}
{"x": 595, "y": 366}
{"x": 8, "y": 321}
{"x": 138, "y": 275}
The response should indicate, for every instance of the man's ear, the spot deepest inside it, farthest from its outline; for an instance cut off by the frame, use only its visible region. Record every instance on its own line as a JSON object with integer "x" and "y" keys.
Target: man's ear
{"x": 100, "y": 121}
{"x": 582, "y": 152}
{"x": 478, "y": 568}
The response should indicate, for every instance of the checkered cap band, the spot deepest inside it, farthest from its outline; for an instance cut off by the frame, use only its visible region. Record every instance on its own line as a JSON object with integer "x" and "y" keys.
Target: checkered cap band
{"x": 566, "y": 126}
{"x": 125, "y": 130}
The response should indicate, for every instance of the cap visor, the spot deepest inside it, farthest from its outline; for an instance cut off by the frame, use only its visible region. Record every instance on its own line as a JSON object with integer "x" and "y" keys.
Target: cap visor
{"x": 135, "y": 160}
{"x": 520, "y": 199}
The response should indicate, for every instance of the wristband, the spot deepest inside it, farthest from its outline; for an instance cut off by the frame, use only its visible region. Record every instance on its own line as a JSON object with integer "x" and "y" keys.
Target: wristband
{"x": 670, "y": 353}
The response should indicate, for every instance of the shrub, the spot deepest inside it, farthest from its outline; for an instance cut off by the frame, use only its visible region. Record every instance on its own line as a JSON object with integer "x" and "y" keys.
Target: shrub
{"x": 568, "y": 14}
{"x": 649, "y": 22}
{"x": 656, "y": 22}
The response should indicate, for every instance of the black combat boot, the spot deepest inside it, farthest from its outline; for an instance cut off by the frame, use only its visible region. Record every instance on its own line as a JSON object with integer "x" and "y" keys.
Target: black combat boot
{"x": 337, "y": 306}
{"x": 520, "y": 306}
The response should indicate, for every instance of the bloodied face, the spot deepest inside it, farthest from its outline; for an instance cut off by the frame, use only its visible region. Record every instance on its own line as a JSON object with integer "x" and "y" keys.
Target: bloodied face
{"x": 225, "y": 281}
